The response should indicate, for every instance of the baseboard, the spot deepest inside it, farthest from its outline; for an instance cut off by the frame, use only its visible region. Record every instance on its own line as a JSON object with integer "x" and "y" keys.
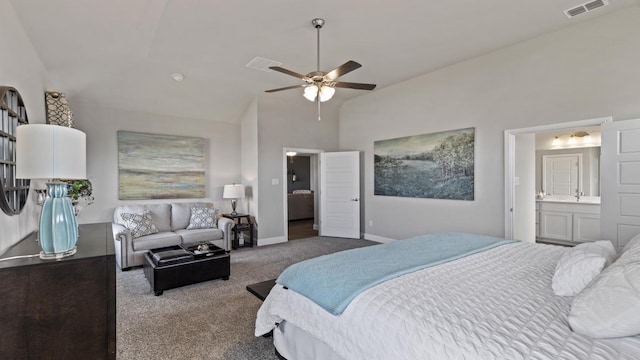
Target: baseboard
{"x": 377, "y": 238}
{"x": 272, "y": 240}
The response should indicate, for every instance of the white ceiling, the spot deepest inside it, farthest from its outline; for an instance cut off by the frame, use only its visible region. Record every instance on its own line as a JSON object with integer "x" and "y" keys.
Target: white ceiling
{"x": 121, "y": 53}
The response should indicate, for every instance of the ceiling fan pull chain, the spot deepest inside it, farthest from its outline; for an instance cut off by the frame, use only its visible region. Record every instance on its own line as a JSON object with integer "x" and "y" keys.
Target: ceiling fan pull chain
{"x": 318, "y": 101}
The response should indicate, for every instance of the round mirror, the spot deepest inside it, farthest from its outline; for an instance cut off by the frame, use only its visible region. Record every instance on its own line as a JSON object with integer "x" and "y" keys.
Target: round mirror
{"x": 13, "y": 192}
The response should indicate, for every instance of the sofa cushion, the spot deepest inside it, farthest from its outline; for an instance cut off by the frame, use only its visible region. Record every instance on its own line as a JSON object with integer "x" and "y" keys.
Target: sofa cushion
{"x": 181, "y": 213}
{"x": 139, "y": 224}
{"x": 203, "y": 218}
{"x": 160, "y": 213}
{"x": 156, "y": 241}
{"x": 190, "y": 237}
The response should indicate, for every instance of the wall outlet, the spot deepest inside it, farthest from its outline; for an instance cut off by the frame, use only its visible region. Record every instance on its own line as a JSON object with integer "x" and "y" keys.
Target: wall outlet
{"x": 275, "y": 181}
{"x": 516, "y": 181}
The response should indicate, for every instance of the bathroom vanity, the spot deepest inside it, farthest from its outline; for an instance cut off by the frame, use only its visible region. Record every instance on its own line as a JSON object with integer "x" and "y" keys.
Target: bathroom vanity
{"x": 567, "y": 220}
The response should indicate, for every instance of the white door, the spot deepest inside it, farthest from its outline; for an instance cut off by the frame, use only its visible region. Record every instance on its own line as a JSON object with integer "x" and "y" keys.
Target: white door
{"x": 561, "y": 174}
{"x": 620, "y": 179}
{"x": 340, "y": 194}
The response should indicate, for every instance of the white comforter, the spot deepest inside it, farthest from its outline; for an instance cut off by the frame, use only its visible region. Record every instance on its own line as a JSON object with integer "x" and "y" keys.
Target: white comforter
{"x": 497, "y": 304}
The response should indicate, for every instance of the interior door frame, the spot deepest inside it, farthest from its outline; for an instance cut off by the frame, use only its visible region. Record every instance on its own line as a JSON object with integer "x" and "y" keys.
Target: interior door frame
{"x": 285, "y": 201}
{"x": 510, "y": 166}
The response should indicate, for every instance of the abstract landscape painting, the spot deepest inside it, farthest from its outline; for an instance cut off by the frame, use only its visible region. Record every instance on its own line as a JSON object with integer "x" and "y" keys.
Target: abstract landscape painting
{"x": 160, "y": 166}
{"x": 437, "y": 165}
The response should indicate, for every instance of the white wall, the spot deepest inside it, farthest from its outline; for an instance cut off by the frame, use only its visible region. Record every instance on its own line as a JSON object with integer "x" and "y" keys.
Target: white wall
{"x": 584, "y": 71}
{"x": 286, "y": 123}
{"x": 101, "y": 126}
{"x": 21, "y": 68}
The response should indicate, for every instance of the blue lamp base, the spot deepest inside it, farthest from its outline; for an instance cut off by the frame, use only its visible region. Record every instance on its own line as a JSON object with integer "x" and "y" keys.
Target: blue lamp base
{"x": 58, "y": 233}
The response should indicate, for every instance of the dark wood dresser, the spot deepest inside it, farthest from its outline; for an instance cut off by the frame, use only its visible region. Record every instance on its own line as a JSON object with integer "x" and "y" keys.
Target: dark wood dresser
{"x": 60, "y": 309}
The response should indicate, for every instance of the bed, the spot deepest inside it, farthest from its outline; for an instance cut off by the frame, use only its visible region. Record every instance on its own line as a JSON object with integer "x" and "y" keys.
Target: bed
{"x": 492, "y": 304}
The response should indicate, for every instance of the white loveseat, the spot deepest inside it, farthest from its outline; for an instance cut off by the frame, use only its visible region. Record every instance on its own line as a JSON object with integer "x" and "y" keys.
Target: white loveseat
{"x": 171, "y": 221}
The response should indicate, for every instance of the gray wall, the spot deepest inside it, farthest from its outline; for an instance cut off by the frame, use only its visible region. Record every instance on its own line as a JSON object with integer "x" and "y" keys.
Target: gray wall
{"x": 285, "y": 121}
{"x": 20, "y": 67}
{"x": 583, "y": 71}
{"x": 249, "y": 158}
{"x": 101, "y": 124}
{"x": 524, "y": 215}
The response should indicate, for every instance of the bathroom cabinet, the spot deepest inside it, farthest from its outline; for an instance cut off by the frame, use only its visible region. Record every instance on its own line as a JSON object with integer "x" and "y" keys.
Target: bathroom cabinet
{"x": 568, "y": 223}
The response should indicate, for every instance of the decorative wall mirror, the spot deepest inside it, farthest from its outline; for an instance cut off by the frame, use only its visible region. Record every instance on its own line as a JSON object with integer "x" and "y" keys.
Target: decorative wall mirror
{"x": 13, "y": 192}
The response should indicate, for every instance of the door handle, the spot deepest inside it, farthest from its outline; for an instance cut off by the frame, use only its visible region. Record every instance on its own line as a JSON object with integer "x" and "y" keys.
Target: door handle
{"x": 354, "y": 199}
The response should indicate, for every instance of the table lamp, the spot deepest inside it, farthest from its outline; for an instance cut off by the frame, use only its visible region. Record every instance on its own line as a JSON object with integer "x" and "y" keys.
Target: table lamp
{"x": 233, "y": 192}
{"x": 53, "y": 152}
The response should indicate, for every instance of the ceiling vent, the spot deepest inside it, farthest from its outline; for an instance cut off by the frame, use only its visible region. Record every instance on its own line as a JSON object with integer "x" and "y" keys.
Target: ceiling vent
{"x": 585, "y": 8}
{"x": 263, "y": 64}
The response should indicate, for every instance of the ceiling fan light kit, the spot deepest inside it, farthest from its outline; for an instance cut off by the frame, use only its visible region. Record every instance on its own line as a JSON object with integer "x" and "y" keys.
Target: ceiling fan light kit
{"x": 319, "y": 86}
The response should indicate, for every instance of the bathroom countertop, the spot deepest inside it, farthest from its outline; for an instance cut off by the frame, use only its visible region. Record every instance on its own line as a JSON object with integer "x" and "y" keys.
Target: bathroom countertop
{"x": 589, "y": 200}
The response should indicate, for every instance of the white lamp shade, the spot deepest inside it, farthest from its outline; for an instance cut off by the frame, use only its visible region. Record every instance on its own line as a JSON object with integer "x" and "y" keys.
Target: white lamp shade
{"x": 310, "y": 92}
{"x": 235, "y": 191}
{"x": 50, "y": 152}
{"x": 326, "y": 93}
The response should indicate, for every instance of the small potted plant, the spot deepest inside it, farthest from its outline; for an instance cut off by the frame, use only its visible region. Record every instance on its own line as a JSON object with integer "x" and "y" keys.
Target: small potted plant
{"x": 80, "y": 193}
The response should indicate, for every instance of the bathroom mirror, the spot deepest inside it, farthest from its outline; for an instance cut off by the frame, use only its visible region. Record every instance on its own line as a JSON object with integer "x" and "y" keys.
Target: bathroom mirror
{"x": 13, "y": 192}
{"x": 567, "y": 161}
{"x": 565, "y": 171}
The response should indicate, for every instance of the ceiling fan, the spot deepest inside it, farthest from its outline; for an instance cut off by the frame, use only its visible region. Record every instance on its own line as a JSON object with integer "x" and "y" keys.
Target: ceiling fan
{"x": 319, "y": 86}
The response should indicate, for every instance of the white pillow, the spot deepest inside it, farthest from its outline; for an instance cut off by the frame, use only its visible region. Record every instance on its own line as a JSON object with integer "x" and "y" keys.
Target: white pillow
{"x": 632, "y": 243}
{"x": 580, "y": 265}
{"x": 610, "y": 306}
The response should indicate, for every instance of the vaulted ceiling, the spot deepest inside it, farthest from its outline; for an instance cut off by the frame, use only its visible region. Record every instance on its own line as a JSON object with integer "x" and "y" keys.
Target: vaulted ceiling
{"x": 121, "y": 53}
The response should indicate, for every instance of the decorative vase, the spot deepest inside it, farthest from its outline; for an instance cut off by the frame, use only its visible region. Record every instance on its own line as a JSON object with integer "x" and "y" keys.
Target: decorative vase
{"x": 58, "y": 226}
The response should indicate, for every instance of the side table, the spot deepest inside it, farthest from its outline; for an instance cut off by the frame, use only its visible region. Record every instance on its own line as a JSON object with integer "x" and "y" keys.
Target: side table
{"x": 240, "y": 228}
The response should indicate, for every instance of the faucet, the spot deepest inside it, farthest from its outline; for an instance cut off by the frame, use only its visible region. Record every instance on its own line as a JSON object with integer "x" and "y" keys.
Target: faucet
{"x": 578, "y": 194}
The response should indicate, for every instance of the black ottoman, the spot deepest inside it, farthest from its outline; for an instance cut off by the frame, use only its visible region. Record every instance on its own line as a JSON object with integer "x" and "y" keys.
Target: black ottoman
{"x": 174, "y": 266}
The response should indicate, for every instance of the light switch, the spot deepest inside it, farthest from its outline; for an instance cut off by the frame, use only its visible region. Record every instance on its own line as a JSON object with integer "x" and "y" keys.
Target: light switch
{"x": 275, "y": 181}
{"x": 516, "y": 181}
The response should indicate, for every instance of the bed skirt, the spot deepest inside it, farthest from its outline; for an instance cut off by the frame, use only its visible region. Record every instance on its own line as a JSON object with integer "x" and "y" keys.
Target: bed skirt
{"x": 293, "y": 343}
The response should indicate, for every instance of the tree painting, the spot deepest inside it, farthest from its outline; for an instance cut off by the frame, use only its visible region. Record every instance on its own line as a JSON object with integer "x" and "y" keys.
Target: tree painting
{"x": 436, "y": 166}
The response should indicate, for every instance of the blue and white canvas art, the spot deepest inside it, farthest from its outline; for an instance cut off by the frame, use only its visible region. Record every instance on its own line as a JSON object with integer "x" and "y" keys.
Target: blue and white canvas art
{"x": 160, "y": 166}
{"x": 437, "y": 165}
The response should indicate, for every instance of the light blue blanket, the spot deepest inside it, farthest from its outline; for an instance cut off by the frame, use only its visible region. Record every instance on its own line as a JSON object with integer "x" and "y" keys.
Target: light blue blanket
{"x": 332, "y": 281}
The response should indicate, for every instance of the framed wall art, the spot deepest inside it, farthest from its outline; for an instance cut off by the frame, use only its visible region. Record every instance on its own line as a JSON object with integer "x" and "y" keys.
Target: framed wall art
{"x": 154, "y": 166}
{"x": 437, "y": 165}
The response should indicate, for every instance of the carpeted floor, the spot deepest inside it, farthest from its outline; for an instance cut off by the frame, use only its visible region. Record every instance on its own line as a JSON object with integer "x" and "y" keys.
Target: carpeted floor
{"x": 210, "y": 320}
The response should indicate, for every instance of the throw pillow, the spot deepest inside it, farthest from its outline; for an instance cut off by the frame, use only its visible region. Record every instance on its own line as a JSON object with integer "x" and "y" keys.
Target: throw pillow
{"x": 139, "y": 224}
{"x": 610, "y": 306}
{"x": 203, "y": 218}
{"x": 634, "y": 242}
{"x": 580, "y": 265}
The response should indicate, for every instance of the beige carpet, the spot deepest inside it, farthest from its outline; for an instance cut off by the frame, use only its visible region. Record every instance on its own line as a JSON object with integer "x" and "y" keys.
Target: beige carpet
{"x": 210, "y": 320}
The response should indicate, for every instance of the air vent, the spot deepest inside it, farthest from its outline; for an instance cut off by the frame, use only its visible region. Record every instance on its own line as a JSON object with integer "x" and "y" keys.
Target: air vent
{"x": 263, "y": 64}
{"x": 586, "y": 7}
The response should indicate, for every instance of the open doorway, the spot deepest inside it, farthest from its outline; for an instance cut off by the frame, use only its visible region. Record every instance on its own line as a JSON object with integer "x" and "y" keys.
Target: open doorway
{"x": 527, "y": 179}
{"x": 301, "y": 202}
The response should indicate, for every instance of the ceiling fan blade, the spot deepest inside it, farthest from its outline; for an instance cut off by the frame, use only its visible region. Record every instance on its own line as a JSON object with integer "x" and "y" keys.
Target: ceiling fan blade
{"x": 286, "y": 88}
{"x": 358, "y": 86}
{"x": 345, "y": 68}
{"x": 289, "y": 72}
